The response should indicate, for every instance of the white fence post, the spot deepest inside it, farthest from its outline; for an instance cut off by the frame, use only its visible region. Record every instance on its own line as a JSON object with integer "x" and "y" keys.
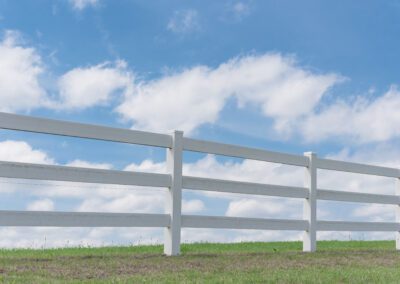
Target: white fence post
{"x": 398, "y": 214}
{"x": 310, "y": 205}
{"x": 172, "y": 240}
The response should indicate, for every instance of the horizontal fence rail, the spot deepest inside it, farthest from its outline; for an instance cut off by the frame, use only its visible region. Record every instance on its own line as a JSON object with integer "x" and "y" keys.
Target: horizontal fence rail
{"x": 326, "y": 164}
{"x": 78, "y": 219}
{"x": 85, "y": 175}
{"x": 217, "y": 222}
{"x": 358, "y": 226}
{"x": 243, "y": 152}
{"x": 335, "y": 195}
{"x": 208, "y": 184}
{"x": 173, "y": 220}
{"x": 80, "y": 130}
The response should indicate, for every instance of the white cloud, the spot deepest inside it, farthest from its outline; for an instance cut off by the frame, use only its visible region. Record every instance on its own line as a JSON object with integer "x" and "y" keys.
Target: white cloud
{"x": 184, "y": 21}
{"x": 20, "y": 151}
{"x": 82, "y": 4}
{"x": 82, "y": 88}
{"x": 41, "y": 205}
{"x": 376, "y": 212}
{"x": 263, "y": 208}
{"x": 21, "y": 68}
{"x": 363, "y": 120}
{"x": 192, "y": 206}
{"x": 139, "y": 201}
{"x": 274, "y": 83}
{"x": 282, "y": 90}
{"x": 85, "y": 164}
{"x": 147, "y": 166}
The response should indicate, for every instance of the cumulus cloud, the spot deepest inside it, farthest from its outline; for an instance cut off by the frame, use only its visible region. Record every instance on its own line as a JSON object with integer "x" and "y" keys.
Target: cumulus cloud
{"x": 184, "y": 21}
{"x": 282, "y": 90}
{"x": 82, "y": 88}
{"x": 20, "y": 151}
{"x": 80, "y": 5}
{"x": 362, "y": 120}
{"x": 275, "y": 83}
{"x": 21, "y": 68}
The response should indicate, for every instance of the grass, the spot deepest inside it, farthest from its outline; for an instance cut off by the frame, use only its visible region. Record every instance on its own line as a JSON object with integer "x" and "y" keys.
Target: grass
{"x": 277, "y": 262}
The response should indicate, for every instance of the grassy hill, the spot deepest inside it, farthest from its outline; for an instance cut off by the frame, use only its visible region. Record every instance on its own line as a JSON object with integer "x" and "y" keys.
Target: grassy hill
{"x": 283, "y": 262}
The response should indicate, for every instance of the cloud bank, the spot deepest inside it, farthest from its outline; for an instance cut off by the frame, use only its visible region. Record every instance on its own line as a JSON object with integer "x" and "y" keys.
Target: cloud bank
{"x": 276, "y": 85}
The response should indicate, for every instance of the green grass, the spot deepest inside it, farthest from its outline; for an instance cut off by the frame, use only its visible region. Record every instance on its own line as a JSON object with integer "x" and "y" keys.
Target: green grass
{"x": 282, "y": 262}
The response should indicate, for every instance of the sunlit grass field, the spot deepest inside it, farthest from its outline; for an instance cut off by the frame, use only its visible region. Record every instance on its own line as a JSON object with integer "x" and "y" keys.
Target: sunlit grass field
{"x": 275, "y": 262}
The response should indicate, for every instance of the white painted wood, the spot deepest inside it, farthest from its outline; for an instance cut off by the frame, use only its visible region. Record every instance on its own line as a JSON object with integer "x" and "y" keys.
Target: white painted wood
{"x": 75, "y": 174}
{"x": 327, "y": 164}
{"x": 78, "y": 219}
{"x": 357, "y": 226}
{"x": 243, "y": 152}
{"x": 208, "y": 184}
{"x": 398, "y": 214}
{"x": 73, "y": 129}
{"x": 346, "y": 196}
{"x": 310, "y": 204}
{"x": 174, "y": 197}
{"x": 219, "y": 222}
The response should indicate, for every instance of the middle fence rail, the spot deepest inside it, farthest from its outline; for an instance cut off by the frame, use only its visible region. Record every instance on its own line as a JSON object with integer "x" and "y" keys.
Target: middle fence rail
{"x": 173, "y": 220}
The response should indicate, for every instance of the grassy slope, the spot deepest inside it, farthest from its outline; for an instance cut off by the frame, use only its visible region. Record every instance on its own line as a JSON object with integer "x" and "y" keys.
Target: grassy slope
{"x": 344, "y": 262}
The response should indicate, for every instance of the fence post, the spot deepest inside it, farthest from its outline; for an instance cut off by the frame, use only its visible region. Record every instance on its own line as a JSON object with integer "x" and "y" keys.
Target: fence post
{"x": 398, "y": 214}
{"x": 310, "y": 204}
{"x": 172, "y": 241}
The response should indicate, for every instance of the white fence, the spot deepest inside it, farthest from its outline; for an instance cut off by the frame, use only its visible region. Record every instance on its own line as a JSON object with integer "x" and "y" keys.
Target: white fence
{"x": 173, "y": 220}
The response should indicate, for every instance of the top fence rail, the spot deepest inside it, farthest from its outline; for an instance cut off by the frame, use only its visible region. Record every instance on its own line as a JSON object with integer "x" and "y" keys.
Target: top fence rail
{"x": 97, "y": 132}
{"x": 80, "y": 130}
{"x": 243, "y": 152}
{"x": 327, "y": 164}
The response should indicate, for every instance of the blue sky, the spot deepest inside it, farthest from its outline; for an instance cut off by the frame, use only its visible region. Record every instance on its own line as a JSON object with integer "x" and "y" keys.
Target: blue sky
{"x": 289, "y": 76}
